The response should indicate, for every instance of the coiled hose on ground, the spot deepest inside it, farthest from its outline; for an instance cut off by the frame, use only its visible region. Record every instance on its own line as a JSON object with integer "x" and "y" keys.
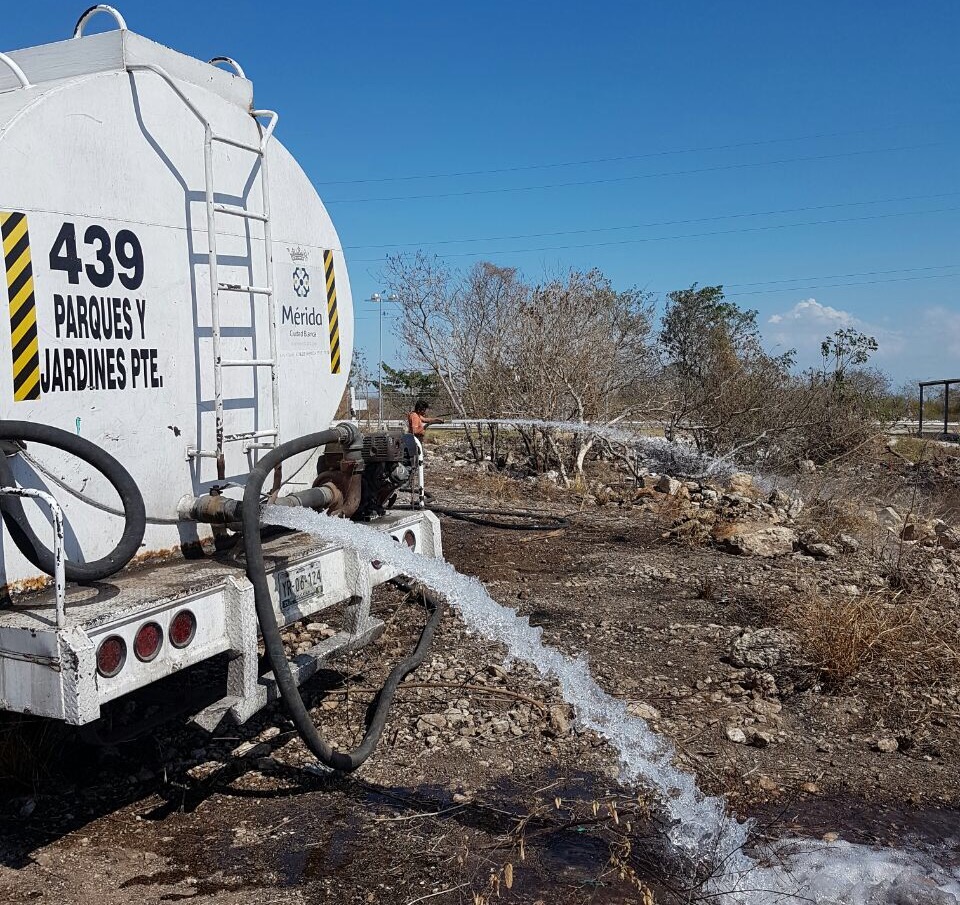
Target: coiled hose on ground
{"x": 343, "y": 761}
{"x": 22, "y": 533}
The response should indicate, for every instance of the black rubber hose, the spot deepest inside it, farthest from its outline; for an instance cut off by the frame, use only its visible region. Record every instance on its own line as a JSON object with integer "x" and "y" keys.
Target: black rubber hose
{"x": 22, "y": 532}
{"x": 495, "y": 518}
{"x": 273, "y": 643}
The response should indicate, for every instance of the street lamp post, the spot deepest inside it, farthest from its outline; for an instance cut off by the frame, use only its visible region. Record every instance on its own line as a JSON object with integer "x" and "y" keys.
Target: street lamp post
{"x": 378, "y": 298}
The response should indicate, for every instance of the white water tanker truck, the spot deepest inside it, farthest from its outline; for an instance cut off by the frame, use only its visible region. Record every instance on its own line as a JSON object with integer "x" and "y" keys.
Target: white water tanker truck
{"x": 178, "y": 335}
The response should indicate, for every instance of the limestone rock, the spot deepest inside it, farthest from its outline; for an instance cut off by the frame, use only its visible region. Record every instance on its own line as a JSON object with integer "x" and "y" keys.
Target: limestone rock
{"x": 668, "y": 485}
{"x": 890, "y": 518}
{"x": 736, "y": 735}
{"x": 431, "y": 721}
{"x": 754, "y": 539}
{"x": 741, "y": 482}
{"x": 762, "y": 648}
{"x": 644, "y": 711}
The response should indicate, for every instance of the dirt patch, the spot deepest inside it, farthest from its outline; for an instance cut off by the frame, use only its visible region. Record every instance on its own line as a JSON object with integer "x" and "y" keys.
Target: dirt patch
{"x": 481, "y": 767}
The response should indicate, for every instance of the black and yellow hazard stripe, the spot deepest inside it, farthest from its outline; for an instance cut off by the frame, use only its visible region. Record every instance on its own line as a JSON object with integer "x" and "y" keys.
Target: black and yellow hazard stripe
{"x": 332, "y": 318}
{"x": 23, "y": 306}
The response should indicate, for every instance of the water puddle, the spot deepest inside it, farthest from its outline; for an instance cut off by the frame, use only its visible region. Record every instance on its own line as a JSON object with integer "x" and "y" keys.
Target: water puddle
{"x": 707, "y": 846}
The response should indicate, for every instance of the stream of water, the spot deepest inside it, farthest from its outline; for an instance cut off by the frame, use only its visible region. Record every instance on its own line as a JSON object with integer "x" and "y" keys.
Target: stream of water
{"x": 670, "y": 456}
{"x": 698, "y": 828}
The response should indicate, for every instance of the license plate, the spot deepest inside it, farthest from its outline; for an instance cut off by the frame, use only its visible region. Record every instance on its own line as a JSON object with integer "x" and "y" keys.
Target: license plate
{"x": 298, "y": 584}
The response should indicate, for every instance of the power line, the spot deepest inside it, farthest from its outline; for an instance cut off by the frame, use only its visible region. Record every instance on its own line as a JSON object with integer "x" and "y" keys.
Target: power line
{"x": 811, "y": 288}
{"x": 602, "y": 229}
{"x": 842, "y": 276}
{"x": 636, "y": 241}
{"x": 595, "y": 160}
{"x": 938, "y": 276}
{"x": 613, "y": 179}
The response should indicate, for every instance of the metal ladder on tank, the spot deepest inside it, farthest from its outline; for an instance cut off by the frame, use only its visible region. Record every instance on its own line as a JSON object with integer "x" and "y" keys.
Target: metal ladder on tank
{"x": 258, "y": 439}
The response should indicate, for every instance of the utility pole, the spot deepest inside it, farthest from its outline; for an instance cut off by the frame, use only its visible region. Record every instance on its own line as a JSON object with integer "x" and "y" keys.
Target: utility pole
{"x": 378, "y": 298}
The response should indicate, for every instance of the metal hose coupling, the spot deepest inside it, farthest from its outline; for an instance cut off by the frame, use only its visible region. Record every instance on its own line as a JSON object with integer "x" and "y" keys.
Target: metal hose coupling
{"x": 218, "y": 509}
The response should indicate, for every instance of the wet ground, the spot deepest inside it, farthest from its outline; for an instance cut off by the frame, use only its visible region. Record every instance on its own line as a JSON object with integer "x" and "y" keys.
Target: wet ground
{"x": 498, "y": 798}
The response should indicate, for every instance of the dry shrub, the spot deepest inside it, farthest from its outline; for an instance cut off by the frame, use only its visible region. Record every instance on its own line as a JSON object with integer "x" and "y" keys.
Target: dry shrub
{"x": 842, "y": 636}
{"x": 833, "y": 517}
{"x": 911, "y": 642}
{"x": 671, "y": 507}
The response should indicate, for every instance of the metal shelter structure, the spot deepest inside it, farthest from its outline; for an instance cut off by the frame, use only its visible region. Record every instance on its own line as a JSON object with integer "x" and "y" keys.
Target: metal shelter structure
{"x": 946, "y": 384}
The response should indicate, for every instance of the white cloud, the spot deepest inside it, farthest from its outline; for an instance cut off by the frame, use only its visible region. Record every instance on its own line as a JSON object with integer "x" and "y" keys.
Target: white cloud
{"x": 921, "y": 344}
{"x": 811, "y": 313}
{"x": 804, "y": 326}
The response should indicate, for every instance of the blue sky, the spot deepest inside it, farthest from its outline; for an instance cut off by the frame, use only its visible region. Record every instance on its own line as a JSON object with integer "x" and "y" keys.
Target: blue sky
{"x": 802, "y": 154}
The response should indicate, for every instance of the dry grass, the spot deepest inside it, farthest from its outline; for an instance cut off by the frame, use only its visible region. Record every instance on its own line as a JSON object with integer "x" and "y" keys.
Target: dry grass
{"x": 909, "y": 640}
{"x": 916, "y": 450}
{"x": 842, "y": 636}
{"x": 833, "y": 517}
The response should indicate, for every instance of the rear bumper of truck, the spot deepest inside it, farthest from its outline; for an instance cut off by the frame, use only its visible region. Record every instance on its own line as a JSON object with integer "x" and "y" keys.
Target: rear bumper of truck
{"x": 52, "y": 672}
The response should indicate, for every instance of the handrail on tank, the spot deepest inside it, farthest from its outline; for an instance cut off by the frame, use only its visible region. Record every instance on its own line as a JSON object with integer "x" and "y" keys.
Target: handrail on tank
{"x": 157, "y": 70}
{"x": 229, "y": 61}
{"x": 268, "y": 132}
{"x": 59, "y": 557}
{"x": 90, "y": 13}
{"x": 16, "y": 70}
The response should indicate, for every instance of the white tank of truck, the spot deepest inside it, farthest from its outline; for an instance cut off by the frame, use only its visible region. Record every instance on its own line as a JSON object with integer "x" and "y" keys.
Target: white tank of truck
{"x": 176, "y": 289}
{"x": 177, "y": 335}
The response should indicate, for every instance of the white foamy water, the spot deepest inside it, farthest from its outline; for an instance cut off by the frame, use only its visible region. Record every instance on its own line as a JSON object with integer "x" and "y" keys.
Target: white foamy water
{"x": 671, "y": 456}
{"x": 699, "y": 832}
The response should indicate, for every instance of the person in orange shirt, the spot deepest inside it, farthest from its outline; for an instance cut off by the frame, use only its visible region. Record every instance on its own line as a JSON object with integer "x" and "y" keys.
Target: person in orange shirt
{"x": 417, "y": 420}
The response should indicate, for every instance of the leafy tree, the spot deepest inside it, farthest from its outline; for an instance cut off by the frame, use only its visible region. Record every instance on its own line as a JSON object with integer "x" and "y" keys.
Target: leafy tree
{"x": 845, "y": 350}
{"x": 720, "y": 378}
{"x": 402, "y": 387}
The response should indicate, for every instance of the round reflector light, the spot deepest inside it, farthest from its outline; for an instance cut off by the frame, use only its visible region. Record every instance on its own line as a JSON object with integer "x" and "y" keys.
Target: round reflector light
{"x": 183, "y": 628}
{"x": 147, "y": 643}
{"x": 111, "y": 655}
{"x": 410, "y": 539}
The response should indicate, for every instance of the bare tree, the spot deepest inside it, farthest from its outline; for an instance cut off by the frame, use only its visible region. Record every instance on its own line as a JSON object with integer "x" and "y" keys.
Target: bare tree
{"x": 581, "y": 355}
{"x": 456, "y": 325}
{"x": 571, "y": 350}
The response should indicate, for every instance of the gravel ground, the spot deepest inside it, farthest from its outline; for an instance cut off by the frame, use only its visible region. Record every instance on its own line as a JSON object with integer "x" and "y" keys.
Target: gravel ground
{"x": 481, "y": 767}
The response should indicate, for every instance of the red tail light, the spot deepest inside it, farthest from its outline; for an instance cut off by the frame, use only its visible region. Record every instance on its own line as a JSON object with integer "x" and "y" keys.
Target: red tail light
{"x": 147, "y": 643}
{"x": 410, "y": 539}
{"x": 183, "y": 628}
{"x": 111, "y": 655}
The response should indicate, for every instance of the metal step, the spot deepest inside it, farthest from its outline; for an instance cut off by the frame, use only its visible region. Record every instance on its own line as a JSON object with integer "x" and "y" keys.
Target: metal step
{"x": 239, "y": 212}
{"x": 248, "y": 363}
{"x": 251, "y": 290}
{"x": 250, "y": 435}
{"x": 253, "y": 149}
